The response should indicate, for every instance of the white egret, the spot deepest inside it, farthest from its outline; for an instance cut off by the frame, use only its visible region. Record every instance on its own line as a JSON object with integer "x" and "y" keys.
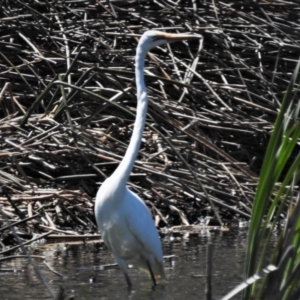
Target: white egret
{"x": 123, "y": 219}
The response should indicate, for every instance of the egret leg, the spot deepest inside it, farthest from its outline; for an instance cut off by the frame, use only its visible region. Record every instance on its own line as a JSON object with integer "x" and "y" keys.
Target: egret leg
{"x": 128, "y": 280}
{"x": 151, "y": 272}
{"x": 123, "y": 266}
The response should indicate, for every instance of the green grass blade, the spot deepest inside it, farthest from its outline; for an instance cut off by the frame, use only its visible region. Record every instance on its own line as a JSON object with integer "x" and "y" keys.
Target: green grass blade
{"x": 272, "y": 167}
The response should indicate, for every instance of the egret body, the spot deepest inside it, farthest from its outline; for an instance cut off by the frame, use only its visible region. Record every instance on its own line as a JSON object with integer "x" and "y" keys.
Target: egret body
{"x": 123, "y": 219}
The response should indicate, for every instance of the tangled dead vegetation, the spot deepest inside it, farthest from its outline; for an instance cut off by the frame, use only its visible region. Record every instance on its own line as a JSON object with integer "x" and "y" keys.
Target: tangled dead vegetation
{"x": 216, "y": 106}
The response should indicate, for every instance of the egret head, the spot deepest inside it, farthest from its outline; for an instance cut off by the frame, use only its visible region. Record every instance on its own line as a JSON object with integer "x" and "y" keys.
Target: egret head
{"x": 153, "y": 38}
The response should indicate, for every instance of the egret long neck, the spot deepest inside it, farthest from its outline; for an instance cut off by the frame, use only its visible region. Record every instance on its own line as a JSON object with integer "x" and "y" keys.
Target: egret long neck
{"x": 124, "y": 169}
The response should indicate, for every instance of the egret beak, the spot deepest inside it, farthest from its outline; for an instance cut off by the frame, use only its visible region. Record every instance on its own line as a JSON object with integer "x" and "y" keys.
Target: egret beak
{"x": 175, "y": 37}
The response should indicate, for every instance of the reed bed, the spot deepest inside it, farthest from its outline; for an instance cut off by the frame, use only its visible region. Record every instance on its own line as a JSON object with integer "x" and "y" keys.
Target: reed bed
{"x": 216, "y": 105}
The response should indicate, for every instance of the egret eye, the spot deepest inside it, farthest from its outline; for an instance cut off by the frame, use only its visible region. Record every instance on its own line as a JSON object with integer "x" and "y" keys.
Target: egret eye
{"x": 157, "y": 38}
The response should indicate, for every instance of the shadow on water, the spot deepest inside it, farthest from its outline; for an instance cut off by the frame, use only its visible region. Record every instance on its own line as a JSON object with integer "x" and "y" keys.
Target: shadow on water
{"x": 84, "y": 278}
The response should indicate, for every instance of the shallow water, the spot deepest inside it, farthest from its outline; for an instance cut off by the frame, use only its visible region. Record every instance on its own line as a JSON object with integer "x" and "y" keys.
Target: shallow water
{"x": 85, "y": 278}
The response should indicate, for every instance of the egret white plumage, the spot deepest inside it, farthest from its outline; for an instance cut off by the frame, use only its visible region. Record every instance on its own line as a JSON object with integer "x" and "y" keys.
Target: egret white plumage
{"x": 123, "y": 219}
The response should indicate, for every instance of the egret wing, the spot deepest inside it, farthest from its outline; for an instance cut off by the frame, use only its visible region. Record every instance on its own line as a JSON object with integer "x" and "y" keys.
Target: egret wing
{"x": 142, "y": 226}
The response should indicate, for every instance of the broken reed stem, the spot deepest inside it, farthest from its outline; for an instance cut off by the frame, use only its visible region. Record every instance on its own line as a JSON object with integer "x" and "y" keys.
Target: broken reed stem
{"x": 215, "y": 106}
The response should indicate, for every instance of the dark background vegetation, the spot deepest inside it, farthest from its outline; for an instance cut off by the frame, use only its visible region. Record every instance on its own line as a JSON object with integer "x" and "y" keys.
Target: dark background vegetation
{"x": 219, "y": 117}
